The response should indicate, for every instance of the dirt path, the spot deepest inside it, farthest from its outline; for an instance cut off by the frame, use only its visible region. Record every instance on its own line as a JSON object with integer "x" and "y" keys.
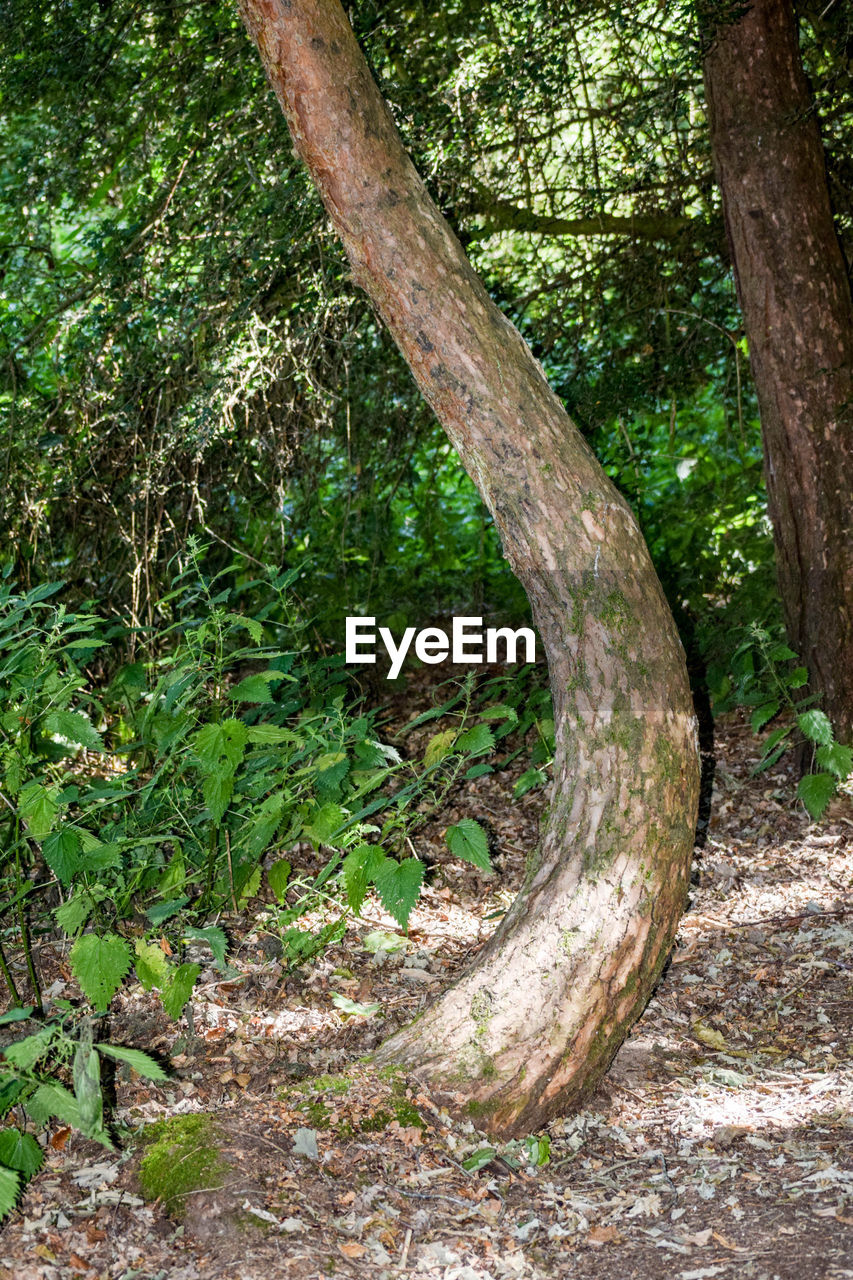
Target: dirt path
{"x": 718, "y": 1146}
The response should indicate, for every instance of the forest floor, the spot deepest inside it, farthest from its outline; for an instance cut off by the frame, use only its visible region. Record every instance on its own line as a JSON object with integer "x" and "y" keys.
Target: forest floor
{"x": 720, "y": 1143}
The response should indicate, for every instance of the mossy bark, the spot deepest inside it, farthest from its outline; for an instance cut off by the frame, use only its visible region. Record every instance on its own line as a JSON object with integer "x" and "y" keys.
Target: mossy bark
{"x": 533, "y": 1025}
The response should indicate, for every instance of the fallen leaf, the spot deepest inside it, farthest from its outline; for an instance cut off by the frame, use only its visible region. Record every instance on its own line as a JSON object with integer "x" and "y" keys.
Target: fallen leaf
{"x": 410, "y": 1134}
{"x": 305, "y": 1144}
{"x": 351, "y": 1008}
{"x": 60, "y": 1138}
{"x": 713, "y": 1039}
{"x": 352, "y": 1249}
{"x": 603, "y": 1235}
{"x": 698, "y": 1238}
{"x": 727, "y": 1244}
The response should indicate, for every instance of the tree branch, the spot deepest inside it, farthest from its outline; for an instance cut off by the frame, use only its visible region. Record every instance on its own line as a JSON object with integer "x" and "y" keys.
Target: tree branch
{"x": 500, "y": 215}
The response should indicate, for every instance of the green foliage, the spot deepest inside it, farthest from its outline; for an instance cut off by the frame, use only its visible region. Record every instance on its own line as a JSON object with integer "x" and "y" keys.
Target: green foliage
{"x": 765, "y": 675}
{"x": 179, "y": 988}
{"x": 99, "y": 962}
{"x": 467, "y": 840}
{"x": 192, "y": 783}
{"x": 398, "y": 885}
{"x": 146, "y": 172}
{"x": 31, "y": 1072}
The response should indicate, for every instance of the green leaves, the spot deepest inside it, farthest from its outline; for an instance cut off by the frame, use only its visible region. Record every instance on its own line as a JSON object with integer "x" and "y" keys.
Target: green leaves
{"x": 179, "y": 989}
{"x": 398, "y": 885}
{"x": 324, "y": 823}
{"x": 352, "y": 1008}
{"x": 151, "y": 965}
{"x": 174, "y": 982}
{"x": 439, "y": 746}
{"x": 16, "y": 1015}
{"x": 24, "y": 1054}
{"x": 529, "y": 779}
{"x": 468, "y": 840}
{"x": 10, "y": 1185}
{"x": 761, "y": 667}
{"x": 476, "y": 741}
{"x": 278, "y": 876}
{"x": 74, "y": 728}
{"x": 479, "y": 1159}
{"x": 360, "y": 868}
{"x": 54, "y": 1100}
{"x": 220, "y": 747}
{"x": 61, "y": 851}
{"x": 21, "y": 1152}
{"x": 99, "y": 964}
{"x": 837, "y": 759}
{"x": 141, "y": 1063}
{"x": 217, "y": 790}
{"x": 816, "y": 790}
{"x": 762, "y": 714}
{"x": 256, "y": 688}
{"x": 87, "y": 1083}
{"x": 37, "y": 806}
{"x": 214, "y": 937}
{"x": 815, "y": 725}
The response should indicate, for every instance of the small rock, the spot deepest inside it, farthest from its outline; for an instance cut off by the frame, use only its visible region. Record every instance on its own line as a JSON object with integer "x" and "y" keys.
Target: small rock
{"x": 416, "y": 976}
{"x": 725, "y": 1134}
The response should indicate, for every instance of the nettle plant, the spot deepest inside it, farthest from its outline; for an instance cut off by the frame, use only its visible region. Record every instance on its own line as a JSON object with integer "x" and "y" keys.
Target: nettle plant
{"x": 765, "y": 675}
{"x": 31, "y": 1082}
{"x": 135, "y": 813}
{"x": 381, "y": 857}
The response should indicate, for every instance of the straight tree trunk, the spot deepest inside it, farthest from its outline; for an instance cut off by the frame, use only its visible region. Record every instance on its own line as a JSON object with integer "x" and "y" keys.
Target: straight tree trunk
{"x": 794, "y": 290}
{"x": 531, "y": 1027}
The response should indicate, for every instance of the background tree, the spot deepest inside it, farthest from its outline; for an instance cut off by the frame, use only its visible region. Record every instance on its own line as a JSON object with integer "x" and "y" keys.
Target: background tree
{"x": 795, "y": 293}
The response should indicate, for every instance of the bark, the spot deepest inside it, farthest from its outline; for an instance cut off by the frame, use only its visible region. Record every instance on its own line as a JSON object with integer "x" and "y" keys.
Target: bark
{"x": 795, "y": 294}
{"x": 530, "y": 1028}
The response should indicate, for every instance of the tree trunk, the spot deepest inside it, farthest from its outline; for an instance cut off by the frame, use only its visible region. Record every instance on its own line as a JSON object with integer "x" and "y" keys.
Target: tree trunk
{"x": 531, "y": 1027}
{"x": 794, "y": 290}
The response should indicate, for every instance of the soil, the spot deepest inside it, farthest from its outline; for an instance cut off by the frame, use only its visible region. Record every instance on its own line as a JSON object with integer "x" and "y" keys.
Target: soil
{"x": 720, "y": 1143}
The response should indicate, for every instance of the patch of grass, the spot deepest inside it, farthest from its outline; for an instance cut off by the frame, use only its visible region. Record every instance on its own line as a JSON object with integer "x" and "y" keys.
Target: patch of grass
{"x": 316, "y": 1113}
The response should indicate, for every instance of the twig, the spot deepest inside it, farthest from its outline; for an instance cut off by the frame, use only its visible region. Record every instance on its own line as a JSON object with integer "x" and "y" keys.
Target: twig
{"x": 441, "y": 1195}
{"x": 795, "y": 919}
{"x": 230, "y": 870}
{"x": 672, "y": 1185}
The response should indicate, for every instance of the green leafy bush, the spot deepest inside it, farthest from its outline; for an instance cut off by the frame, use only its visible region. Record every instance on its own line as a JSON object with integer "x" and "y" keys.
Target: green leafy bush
{"x": 35, "y": 1074}
{"x": 766, "y": 677}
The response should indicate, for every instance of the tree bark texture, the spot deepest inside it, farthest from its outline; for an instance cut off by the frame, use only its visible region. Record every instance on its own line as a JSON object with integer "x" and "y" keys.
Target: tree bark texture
{"x": 794, "y": 291}
{"x": 532, "y": 1025}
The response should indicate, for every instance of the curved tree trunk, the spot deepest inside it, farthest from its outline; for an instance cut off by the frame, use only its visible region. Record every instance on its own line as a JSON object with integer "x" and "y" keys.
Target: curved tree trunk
{"x": 795, "y": 294}
{"x": 530, "y": 1028}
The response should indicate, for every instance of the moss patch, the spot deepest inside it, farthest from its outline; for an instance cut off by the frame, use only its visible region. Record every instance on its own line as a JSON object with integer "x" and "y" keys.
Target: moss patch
{"x": 183, "y": 1156}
